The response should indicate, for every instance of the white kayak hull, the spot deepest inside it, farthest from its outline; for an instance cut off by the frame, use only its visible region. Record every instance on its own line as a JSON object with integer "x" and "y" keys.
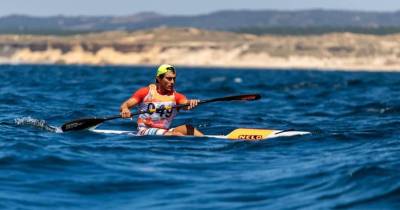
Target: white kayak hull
{"x": 237, "y": 134}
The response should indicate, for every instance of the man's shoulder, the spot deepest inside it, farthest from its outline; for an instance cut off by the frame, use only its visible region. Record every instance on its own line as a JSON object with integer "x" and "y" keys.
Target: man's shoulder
{"x": 179, "y": 98}
{"x": 141, "y": 93}
{"x": 179, "y": 93}
{"x": 143, "y": 89}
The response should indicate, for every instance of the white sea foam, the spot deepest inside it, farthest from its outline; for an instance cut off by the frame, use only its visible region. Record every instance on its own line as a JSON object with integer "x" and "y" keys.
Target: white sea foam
{"x": 41, "y": 124}
{"x": 217, "y": 79}
{"x": 238, "y": 80}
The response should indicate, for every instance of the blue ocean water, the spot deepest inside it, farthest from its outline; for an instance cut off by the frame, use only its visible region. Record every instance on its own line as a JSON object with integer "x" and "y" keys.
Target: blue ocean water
{"x": 350, "y": 161}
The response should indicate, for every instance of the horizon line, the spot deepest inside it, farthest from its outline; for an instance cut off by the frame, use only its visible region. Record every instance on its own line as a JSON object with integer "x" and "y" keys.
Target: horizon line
{"x": 200, "y": 14}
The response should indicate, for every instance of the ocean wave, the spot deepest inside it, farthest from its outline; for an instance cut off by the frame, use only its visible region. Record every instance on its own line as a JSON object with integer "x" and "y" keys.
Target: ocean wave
{"x": 349, "y": 161}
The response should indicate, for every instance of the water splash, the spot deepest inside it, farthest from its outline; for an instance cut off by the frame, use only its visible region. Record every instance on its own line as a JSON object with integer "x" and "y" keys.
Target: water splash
{"x": 238, "y": 80}
{"x": 218, "y": 79}
{"x": 41, "y": 124}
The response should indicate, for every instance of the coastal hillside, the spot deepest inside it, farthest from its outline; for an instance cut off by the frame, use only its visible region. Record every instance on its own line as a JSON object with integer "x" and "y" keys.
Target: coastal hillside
{"x": 249, "y": 21}
{"x": 195, "y": 47}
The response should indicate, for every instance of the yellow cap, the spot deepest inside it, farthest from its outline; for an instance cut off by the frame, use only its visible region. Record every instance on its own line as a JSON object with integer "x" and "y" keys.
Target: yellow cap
{"x": 164, "y": 68}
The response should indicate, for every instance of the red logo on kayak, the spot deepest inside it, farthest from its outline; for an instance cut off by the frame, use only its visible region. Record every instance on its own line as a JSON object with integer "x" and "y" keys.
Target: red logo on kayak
{"x": 251, "y": 137}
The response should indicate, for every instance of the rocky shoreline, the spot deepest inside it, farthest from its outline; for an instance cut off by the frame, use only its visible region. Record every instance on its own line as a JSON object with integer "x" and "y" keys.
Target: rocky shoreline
{"x": 194, "y": 47}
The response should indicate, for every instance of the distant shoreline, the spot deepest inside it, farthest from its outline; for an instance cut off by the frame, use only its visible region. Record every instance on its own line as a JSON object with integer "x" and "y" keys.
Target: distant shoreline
{"x": 228, "y": 68}
{"x": 200, "y": 48}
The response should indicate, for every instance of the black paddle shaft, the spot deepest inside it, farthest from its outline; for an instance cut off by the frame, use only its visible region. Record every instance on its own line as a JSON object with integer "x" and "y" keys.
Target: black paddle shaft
{"x": 247, "y": 97}
{"x": 86, "y": 123}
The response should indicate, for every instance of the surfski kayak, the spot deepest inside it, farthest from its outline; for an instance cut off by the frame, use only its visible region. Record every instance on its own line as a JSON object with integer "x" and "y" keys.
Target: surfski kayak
{"x": 237, "y": 134}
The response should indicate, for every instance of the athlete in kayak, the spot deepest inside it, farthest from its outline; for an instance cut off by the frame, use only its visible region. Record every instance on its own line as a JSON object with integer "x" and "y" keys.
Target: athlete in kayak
{"x": 159, "y": 99}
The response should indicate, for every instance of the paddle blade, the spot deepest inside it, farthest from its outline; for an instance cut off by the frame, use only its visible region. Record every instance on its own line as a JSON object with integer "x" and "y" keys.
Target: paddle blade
{"x": 249, "y": 97}
{"x": 81, "y": 124}
{"x": 250, "y": 134}
{"x": 86, "y": 123}
{"x": 246, "y": 97}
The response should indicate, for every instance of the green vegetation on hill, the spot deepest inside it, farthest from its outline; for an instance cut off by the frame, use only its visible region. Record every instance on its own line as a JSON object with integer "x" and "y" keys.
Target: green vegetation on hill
{"x": 300, "y": 31}
{"x": 303, "y": 22}
{"x": 282, "y": 31}
{"x": 50, "y": 31}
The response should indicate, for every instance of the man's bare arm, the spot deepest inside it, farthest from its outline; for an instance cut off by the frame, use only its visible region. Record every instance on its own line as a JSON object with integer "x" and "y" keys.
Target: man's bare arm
{"x": 126, "y": 106}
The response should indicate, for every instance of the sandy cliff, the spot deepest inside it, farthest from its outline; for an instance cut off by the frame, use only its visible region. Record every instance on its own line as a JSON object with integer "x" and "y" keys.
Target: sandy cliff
{"x": 193, "y": 47}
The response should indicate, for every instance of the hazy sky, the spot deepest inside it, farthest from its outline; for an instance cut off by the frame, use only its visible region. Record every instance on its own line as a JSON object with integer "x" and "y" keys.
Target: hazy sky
{"x": 182, "y": 7}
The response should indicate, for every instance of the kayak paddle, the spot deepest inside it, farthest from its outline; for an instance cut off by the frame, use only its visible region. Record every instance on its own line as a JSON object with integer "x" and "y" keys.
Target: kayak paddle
{"x": 86, "y": 123}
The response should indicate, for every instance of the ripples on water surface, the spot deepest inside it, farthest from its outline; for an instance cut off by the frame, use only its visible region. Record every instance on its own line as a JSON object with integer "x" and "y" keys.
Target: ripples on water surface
{"x": 351, "y": 160}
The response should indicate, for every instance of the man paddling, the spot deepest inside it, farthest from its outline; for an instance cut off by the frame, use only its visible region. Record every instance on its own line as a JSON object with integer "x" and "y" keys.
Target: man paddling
{"x": 159, "y": 100}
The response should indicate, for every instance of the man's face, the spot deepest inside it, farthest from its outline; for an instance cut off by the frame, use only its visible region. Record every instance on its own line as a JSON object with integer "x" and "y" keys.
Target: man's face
{"x": 168, "y": 81}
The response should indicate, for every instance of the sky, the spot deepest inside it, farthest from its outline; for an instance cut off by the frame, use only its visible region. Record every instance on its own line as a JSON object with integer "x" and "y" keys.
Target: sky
{"x": 180, "y": 7}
